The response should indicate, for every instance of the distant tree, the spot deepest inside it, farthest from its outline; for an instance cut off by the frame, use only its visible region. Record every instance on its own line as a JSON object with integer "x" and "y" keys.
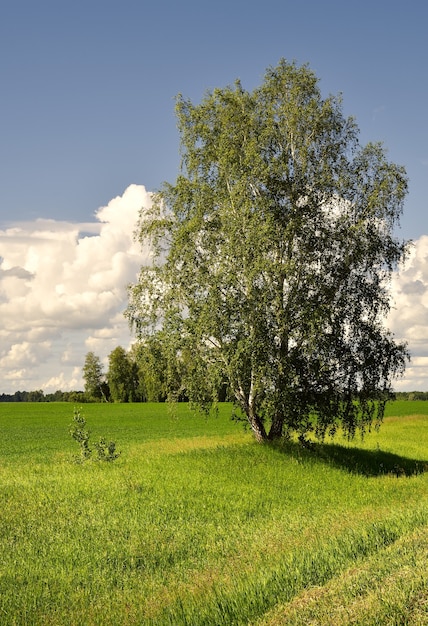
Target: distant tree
{"x": 121, "y": 377}
{"x": 152, "y": 369}
{"x": 95, "y": 385}
{"x": 417, "y": 395}
{"x": 271, "y": 258}
{"x": 167, "y": 371}
{"x": 36, "y": 396}
{"x": 61, "y": 396}
{"x": 39, "y": 396}
{"x": 77, "y": 397}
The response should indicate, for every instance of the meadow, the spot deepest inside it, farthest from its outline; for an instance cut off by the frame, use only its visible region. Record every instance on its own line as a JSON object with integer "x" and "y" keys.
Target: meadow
{"x": 196, "y": 524}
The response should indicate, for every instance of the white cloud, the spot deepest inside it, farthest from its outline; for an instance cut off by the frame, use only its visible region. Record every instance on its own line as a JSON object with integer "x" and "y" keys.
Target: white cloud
{"x": 409, "y": 317}
{"x": 63, "y": 292}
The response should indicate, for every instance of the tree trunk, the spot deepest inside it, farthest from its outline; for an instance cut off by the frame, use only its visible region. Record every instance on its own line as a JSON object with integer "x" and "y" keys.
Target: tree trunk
{"x": 254, "y": 420}
{"x": 257, "y": 427}
{"x": 275, "y": 431}
{"x": 247, "y": 403}
{"x": 256, "y": 423}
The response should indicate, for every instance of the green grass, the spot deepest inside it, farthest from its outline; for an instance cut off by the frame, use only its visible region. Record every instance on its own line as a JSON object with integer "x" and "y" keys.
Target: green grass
{"x": 197, "y": 524}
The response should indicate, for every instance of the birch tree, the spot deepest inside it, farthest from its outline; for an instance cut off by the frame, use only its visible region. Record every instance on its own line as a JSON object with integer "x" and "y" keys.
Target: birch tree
{"x": 272, "y": 253}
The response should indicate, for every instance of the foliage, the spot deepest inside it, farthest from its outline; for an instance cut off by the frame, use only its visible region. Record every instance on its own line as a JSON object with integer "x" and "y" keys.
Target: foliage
{"x": 271, "y": 258}
{"x": 56, "y": 396}
{"x": 95, "y": 385}
{"x": 152, "y": 368}
{"x": 105, "y": 451}
{"x": 166, "y": 370}
{"x": 80, "y": 434}
{"x": 122, "y": 376}
{"x": 411, "y": 395}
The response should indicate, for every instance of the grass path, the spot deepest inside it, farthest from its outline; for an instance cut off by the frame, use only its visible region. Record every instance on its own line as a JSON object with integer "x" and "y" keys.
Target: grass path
{"x": 389, "y": 587}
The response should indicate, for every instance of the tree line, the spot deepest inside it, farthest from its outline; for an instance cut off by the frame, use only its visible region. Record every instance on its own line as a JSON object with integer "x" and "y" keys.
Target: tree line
{"x": 80, "y": 397}
{"x": 38, "y": 395}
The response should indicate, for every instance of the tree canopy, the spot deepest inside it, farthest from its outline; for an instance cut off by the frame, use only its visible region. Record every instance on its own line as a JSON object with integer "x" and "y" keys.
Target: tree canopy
{"x": 121, "y": 376}
{"x": 271, "y": 256}
{"x": 95, "y": 386}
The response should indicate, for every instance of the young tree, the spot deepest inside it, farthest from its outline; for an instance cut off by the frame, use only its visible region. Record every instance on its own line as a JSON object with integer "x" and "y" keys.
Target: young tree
{"x": 271, "y": 257}
{"x": 95, "y": 386}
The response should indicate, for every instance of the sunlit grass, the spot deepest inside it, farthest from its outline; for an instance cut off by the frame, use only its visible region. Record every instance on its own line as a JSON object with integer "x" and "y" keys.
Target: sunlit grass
{"x": 389, "y": 587}
{"x": 197, "y": 524}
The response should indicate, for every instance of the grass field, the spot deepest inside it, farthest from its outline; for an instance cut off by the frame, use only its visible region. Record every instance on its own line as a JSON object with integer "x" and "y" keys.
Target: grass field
{"x": 197, "y": 524}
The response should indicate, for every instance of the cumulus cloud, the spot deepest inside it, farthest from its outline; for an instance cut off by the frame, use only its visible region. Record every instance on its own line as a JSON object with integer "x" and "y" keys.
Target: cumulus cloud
{"x": 63, "y": 292}
{"x": 409, "y": 317}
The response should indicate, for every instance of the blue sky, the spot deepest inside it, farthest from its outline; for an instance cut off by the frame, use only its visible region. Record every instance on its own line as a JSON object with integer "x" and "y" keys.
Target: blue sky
{"x": 88, "y": 88}
{"x": 87, "y": 119}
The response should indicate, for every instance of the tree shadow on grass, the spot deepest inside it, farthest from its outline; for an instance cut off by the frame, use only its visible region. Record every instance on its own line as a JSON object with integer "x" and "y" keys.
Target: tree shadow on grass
{"x": 357, "y": 460}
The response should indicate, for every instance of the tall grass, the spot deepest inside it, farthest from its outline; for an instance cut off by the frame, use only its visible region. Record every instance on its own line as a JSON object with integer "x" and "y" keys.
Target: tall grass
{"x": 194, "y": 523}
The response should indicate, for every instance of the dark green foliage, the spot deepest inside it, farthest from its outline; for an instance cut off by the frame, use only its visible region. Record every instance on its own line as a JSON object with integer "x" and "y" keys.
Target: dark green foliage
{"x": 106, "y": 451}
{"x": 121, "y": 376}
{"x": 151, "y": 363}
{"x": 96, "y": 388}
{"x": 57, "y": 396}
